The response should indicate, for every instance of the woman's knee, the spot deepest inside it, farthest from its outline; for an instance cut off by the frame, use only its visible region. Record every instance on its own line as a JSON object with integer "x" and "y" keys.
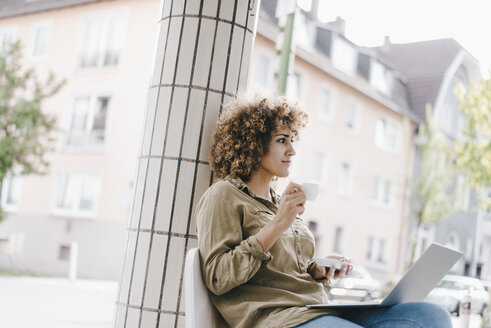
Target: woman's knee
{"x": 429, "y": 314}
{"x": 326, "y": 321}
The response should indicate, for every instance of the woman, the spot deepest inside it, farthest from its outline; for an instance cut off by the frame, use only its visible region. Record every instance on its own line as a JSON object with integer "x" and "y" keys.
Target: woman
{"x": 256, "y": 252}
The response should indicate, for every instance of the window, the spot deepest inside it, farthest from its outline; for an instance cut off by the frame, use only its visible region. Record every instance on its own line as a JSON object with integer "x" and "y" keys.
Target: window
{"x": 376, "y": 249}
{"x": 370, "y": 245}
{"x": 453, "y": 240}
{"x": 344, "y": 56}
{"x": 326, "y": 104}
{"x": 64, "y": 253}
{"x": 382, "y": 192}
{"x": 294, "y": 88}
{"x": 88, "y": 122}
{"x": 462, "y": 193}
{"x": 304, "y": 31}
{"x": 352, "y": 116}
{"x": 7, "y": 38}
{"x": 262, "y": 73}
{"x": 424, "y": 244}
{"x": 102, "y": 41}
{"x": 380, "y": 77}
{"x": 319, "y": 168}
{"x": 76, "y": 194}
{"x": 40, "y": 41}
{"x": 4, "y": 244}
{"x": 11, "y": 191}
{"x": 387, "y": 135}
{"x": 426, "y": 234}
{"x": 314, "y": 227}
{"x": 450, "y": 117}
{"x": 381, "y": 251}
{"x": 344, "y": 185}
{"x": 339, "y": 240}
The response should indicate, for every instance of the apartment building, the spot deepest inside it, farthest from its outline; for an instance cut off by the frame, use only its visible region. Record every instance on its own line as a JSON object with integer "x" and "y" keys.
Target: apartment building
{"x": 80, "y": 209}
{"x": 432, "y": 70}
{"x": 358, "y": 146}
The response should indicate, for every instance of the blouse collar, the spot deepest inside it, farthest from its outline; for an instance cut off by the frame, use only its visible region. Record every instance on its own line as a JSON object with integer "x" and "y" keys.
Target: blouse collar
{"x": 241, "y": 185}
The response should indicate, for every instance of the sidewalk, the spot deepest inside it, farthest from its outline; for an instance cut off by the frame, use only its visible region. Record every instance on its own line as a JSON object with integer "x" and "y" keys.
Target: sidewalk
{"x": 27, "y": 302}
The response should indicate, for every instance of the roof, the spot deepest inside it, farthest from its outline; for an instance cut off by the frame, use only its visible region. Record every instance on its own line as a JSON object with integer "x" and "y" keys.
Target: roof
{"x": 420, "y": 66}
{"x": 324, "y": 36}
{"x": 423, "y": 66}
{"x": 9, "y": 8}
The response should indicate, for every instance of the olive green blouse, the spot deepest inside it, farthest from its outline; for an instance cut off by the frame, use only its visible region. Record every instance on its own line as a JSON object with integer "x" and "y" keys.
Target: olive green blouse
{"x": 249, "y": 287}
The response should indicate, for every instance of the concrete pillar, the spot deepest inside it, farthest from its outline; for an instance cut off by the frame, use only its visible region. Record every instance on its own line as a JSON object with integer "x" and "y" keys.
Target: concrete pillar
{"x": 202, "y": 58}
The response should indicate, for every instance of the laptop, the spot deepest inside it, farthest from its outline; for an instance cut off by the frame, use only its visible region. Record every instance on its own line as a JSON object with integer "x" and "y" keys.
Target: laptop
{"x": 418, "y": 281}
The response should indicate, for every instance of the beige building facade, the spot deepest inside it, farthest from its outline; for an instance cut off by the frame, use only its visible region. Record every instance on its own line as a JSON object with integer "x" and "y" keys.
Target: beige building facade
{"x": 358, "y": 146}
{"x": 104, "y": 51}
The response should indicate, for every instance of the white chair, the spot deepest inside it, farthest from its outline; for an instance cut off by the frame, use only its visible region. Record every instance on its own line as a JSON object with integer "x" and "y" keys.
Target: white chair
{"x": 200, "y": 312}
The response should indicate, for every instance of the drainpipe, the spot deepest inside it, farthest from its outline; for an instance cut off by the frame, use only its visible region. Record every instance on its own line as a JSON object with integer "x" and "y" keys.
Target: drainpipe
{"x": 285, "y": 11}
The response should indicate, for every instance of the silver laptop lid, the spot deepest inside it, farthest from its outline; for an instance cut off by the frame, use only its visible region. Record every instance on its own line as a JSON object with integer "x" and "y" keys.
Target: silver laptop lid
{"x": 423, "y": 275}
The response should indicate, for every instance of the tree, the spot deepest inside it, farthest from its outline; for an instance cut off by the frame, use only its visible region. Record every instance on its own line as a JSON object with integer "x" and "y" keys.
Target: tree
{"x": 26, "y": 133}
{"x": 473, "y": 151}
{"x": 431, "y": 198}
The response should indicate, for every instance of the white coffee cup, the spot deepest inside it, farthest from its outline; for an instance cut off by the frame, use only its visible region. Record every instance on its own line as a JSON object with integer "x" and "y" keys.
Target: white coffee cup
{"x": 311, "y": 190}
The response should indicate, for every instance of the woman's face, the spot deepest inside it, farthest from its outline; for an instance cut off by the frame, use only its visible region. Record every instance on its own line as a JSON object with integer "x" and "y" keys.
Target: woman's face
{"x": 277, "y": 160}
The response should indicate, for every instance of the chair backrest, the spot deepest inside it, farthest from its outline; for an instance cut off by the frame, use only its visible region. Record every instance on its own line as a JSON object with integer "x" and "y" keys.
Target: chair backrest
{"x": 200, "y": 312}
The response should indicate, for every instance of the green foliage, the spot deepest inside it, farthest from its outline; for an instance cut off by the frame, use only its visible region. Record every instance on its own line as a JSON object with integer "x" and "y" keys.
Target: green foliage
{"x": 26, "y": 133}
{"x": 473, "y": 151}
{"x": 432, "y": 199}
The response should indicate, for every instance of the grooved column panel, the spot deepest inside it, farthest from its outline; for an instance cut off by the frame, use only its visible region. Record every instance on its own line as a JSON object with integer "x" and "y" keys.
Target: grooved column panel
{"x": 201, "y": 59}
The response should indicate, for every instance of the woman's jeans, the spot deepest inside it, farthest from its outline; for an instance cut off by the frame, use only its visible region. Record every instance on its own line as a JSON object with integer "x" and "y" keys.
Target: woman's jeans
{"x": 405, "y": 315}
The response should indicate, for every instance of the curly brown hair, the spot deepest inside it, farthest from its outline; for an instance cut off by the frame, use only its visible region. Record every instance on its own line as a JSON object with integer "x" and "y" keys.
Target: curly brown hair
{"x": 244, "y": 131}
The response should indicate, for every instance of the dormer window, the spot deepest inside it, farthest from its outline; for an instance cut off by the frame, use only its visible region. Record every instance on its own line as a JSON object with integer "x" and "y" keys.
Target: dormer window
{"x": 380, "y": 77}
{"x": 344, "y": 56}
{"x": 304, "y": 31}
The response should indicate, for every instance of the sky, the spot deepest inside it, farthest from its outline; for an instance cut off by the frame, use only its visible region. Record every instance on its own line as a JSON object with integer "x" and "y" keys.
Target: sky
{"x": 368, "y": 22}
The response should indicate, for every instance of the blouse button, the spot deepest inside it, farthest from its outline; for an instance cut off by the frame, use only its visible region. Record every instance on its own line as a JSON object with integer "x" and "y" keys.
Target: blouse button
{"x": 296, "y": 231}
{"x": 299, "y": 252}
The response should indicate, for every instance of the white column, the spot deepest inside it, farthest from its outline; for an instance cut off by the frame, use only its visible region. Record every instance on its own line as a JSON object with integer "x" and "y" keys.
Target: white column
{"x": 72, "y": 275}
{"x": 201, "y": 59}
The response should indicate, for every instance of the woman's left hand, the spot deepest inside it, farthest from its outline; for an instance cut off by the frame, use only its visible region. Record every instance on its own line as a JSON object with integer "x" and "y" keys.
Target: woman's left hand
{"x": 320, "y": 272}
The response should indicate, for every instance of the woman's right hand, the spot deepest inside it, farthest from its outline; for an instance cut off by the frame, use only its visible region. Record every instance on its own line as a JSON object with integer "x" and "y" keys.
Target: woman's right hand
{"x": 291, "y": 204}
